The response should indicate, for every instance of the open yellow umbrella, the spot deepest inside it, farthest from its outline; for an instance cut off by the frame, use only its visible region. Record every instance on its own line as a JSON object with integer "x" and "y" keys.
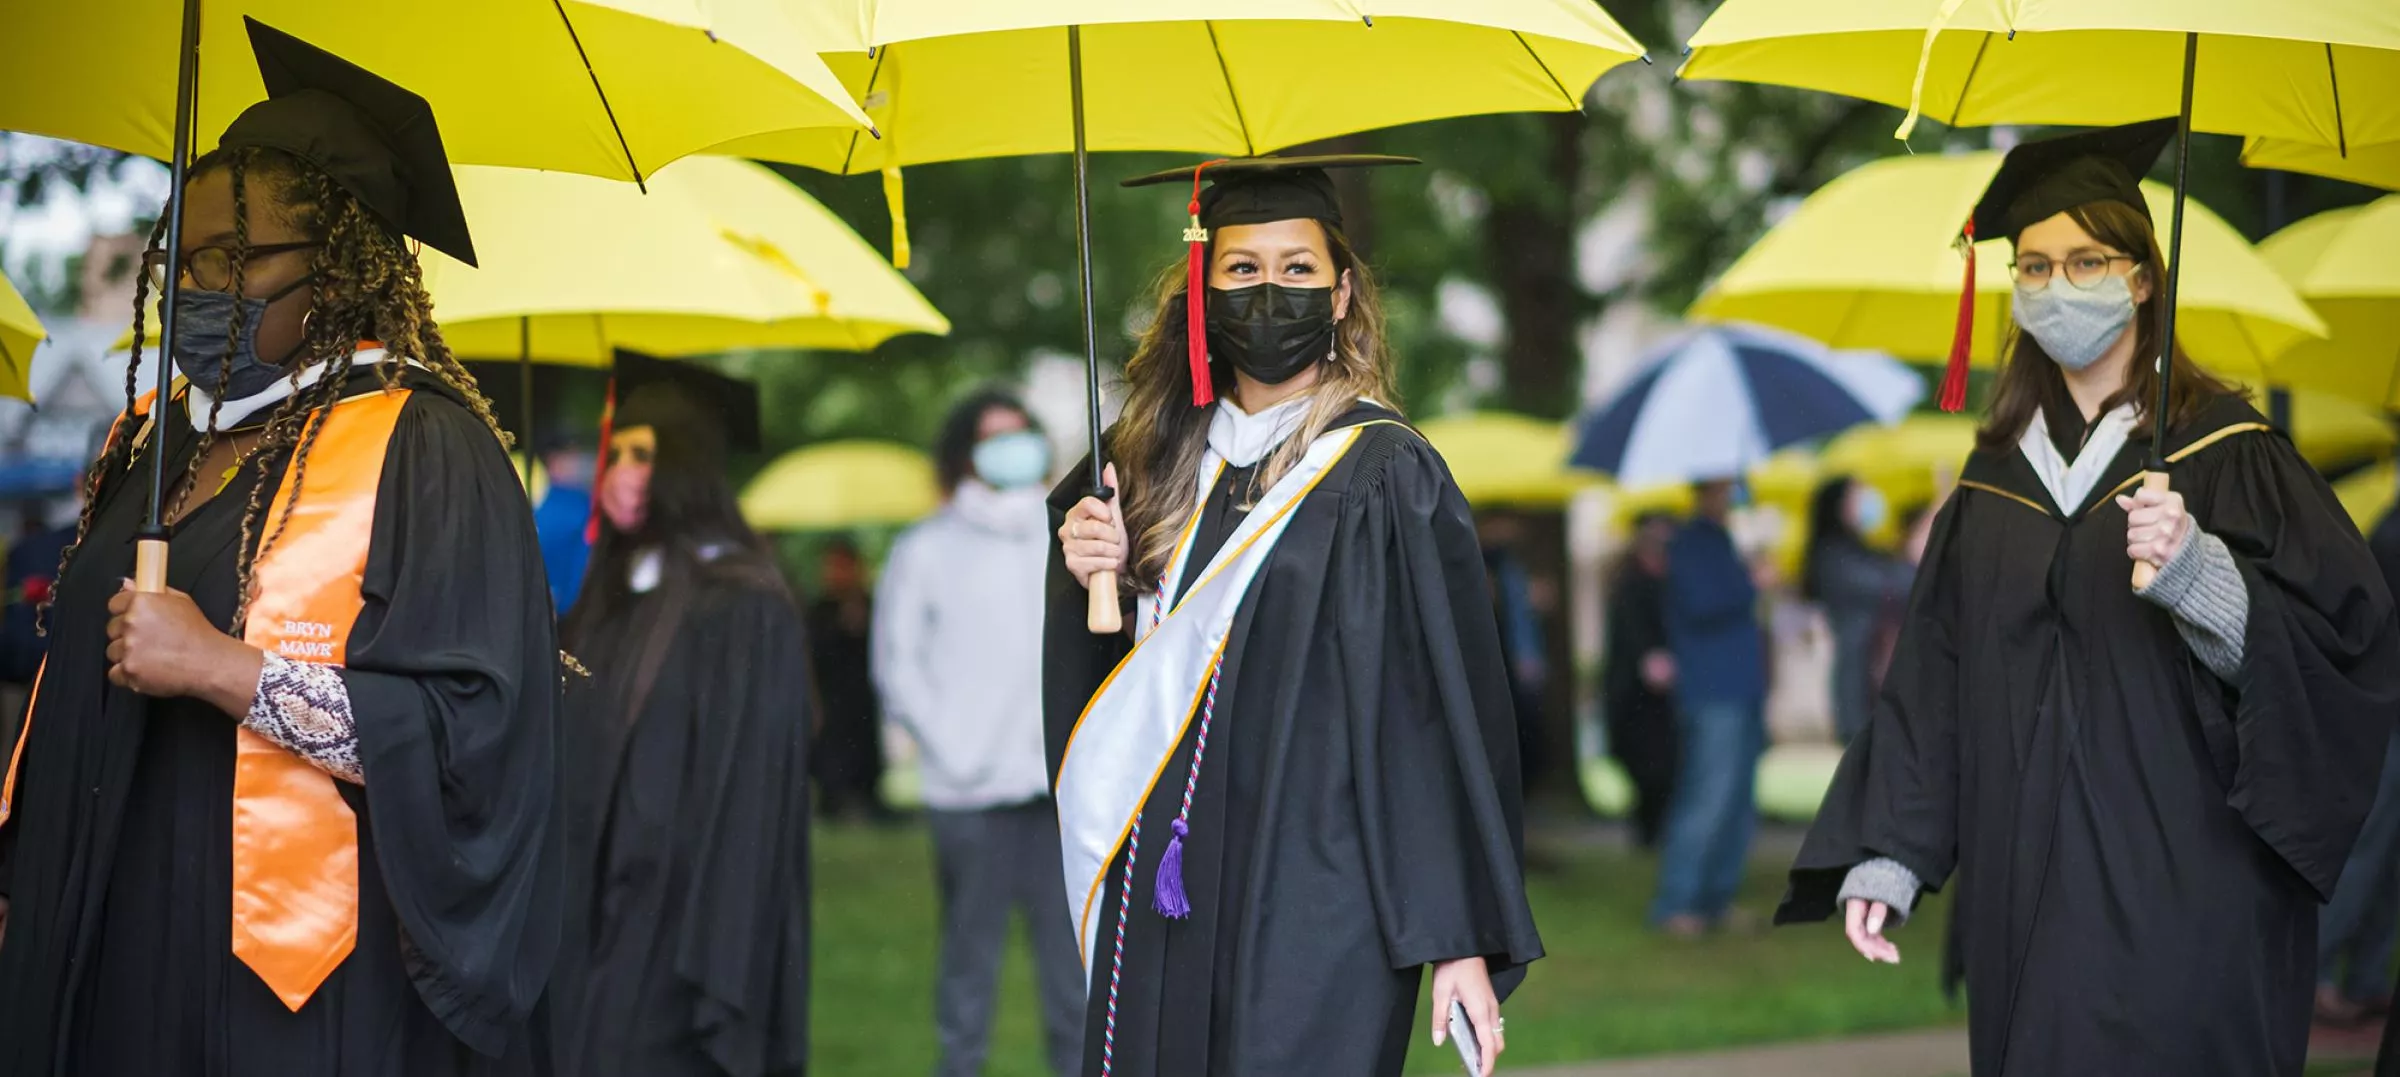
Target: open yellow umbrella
{"x": 2375, "y": 166}
{"x": 1500, "y": 458}
{"x": 952, "y": 79}
{"x": 20, "y": 333}
{"x": 842, "y": 484}
{"x": 2332, "y": 431}
{"x": 1866, "y": 262}
{"x": 2368, "y": 494}
{"x": 720, "y": 254}
{"x": 605, "y": 87}
{"x": 2346, "y": 262}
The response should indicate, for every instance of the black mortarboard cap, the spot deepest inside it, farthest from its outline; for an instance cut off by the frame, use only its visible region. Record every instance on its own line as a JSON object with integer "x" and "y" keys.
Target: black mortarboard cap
{"x": 686, "y": 399}
{"x": 369, "y": 135}
{"x": 2038, "y": 180}
{"x": 1249, "y": 190}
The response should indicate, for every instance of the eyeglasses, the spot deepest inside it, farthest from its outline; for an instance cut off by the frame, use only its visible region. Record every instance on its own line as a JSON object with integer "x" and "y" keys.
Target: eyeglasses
{"x": 211, "y": 268}
{"x": 2084, "y": 269}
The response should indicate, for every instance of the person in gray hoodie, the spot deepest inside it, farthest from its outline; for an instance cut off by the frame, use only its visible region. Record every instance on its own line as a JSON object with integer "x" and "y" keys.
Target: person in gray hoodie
{"x": 957, "y": 656}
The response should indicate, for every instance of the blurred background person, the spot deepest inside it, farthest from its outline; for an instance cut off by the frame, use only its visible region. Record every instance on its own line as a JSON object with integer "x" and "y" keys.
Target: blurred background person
{"x": 848, "y": 756}
{"x": 31, "y": 566}
{"x": 1520, "y": 634}
{"x": 2356, "y": 929}
{"x": 1859, "y": 587}
{"x": 1720, "y": 695}
{"x": 563, "y": 520}
{"x": 1638, "y": 681}
{"x": 958, "y": 656}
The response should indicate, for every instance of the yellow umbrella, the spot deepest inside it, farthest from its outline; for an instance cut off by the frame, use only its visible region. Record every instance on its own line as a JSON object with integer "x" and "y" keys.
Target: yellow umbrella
{"x": 2325, "y": 72}
{"x": 720, "y": 254}
{"x": 2331, "y": 431}
{"x": 1911, "y": 461}
{"x": 952, "y": 79}
{"x": 612, "y": 88}
{"x": 20, "y": 333}
{"x": 2368, "y": 494}
{"x": 2343, "y": 262}
{"x": 842, "y": 484}
{"x": 1504, "y": 459}
{"x": 1866, "y": 262}
{"x": 2375, "y": 166}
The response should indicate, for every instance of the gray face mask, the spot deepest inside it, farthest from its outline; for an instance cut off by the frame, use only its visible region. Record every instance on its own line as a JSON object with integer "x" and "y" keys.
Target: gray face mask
{"x": 203, "y": 332}
{"x": 2076, "y": 326}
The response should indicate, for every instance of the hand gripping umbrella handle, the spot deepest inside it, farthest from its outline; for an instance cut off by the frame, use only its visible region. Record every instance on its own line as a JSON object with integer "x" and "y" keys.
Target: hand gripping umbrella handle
{"x": 1106, "y": 615}
{"x": 2144, "y": 571}
{"x": 150, "y": 566}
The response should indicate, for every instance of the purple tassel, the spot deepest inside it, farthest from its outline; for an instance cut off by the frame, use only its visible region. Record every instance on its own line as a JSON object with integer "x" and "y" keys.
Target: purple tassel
{"x": 1166, "y": 893}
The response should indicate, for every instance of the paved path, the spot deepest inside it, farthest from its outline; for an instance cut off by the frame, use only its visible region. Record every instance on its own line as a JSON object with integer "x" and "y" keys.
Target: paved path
{"x": 1928, "y": 1053}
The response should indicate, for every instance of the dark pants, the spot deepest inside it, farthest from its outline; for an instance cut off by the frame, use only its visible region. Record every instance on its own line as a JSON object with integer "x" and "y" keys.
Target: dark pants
{"x": 1715, "y": 811}
{"x": 2354, "y": 943}
{"x": 987, "y": 863}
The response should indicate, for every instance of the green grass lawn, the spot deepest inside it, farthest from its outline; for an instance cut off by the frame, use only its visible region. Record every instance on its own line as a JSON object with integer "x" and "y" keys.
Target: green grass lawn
{"x": 1608, "y": 988}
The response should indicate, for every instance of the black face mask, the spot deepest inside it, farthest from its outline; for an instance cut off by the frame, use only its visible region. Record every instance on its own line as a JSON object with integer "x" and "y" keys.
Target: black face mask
{"x": 1270, "y": 332}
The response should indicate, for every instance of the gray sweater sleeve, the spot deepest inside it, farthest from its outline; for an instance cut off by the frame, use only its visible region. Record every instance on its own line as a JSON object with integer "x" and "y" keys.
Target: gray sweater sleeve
{"x": 1881, "y": 879}
{"x": 2202, "y": 589}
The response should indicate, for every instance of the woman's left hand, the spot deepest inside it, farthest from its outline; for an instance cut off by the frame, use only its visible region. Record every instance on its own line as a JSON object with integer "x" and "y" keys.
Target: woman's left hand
{"x": 1470, "y": 982}
{"x": 2156, "y": 525}
{"x": 162, "y": 646}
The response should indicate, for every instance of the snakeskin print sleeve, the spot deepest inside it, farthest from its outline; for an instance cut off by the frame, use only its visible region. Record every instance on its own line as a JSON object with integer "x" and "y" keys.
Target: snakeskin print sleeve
{"x": 306, "y": 709}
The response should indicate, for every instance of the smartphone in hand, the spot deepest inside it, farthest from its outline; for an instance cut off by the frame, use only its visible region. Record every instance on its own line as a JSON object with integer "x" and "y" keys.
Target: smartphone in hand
{"x": 1462, "y": 1036}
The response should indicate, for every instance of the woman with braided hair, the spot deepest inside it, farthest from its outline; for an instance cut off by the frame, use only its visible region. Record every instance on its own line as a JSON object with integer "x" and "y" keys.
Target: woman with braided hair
{"x": 293, "y": 815}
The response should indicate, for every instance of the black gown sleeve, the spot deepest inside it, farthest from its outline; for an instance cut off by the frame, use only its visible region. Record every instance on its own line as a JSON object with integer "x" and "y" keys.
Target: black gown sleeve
{"x": 453, "y": 675}
{"x": 1895, "y": 793}
{"x": 744, "y": 947}
{"x": 1432, "y": 725}
{"x": 2309, "y": 711}
{"x": 1074, "y": 660}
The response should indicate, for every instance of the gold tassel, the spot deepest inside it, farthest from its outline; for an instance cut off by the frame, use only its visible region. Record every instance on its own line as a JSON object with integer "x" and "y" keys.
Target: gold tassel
{"x": 896, "y": 197}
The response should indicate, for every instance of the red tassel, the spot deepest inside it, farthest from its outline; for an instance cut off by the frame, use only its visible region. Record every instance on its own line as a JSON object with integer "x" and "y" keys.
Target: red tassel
{"x": 1195, "y": 315}
{"x": 1962, "y": 341}
{"x": 608, "y": 422}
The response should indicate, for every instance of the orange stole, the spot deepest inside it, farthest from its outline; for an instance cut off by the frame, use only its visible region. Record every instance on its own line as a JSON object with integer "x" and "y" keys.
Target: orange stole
{"x": 295, "y": 840}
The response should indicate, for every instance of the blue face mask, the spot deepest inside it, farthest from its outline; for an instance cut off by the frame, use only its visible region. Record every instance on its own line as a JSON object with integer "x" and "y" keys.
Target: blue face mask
{"x": 1867, "y": 509}
{"x": 203, "y": 324}
{"x": 1008, "y": 461}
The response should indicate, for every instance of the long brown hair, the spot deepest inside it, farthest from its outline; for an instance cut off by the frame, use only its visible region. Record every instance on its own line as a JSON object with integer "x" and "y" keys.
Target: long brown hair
{"x": 2031, "y": 381}
{"x": 1158, "y": 439}
{"x": 366, "y": 286}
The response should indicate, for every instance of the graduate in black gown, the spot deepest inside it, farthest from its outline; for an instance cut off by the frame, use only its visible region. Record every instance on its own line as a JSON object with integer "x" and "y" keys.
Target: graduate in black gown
{"x": 435, "y": 726}
{"x": 1265, "y": 854}
{"x": 687, "y": 950}
{"x": 2145, "y": 794}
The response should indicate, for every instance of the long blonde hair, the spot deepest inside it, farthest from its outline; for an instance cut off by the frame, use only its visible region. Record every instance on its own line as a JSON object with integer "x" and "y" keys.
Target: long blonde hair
{"x": 1158, "y": 440}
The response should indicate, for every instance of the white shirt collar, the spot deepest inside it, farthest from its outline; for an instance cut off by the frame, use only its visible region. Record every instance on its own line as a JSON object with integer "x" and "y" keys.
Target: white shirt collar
{"x": 2070, "y": 483}
{"x": 1243, "y": 439}
{"x": 231, "y": 415}
{"x": 650, "y": 565}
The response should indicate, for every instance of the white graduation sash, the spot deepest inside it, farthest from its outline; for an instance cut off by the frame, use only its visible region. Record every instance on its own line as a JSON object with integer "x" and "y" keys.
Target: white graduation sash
{"x": 1128, "y": 732}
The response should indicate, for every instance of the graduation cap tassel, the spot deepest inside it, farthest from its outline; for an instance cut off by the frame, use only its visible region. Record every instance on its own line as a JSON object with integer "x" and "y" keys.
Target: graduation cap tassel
{"x": 1962, "y": 340}
{"x": 608, "y": 419}
{"x": 1167, "y": 897}
{"x": 1195, "y": 315}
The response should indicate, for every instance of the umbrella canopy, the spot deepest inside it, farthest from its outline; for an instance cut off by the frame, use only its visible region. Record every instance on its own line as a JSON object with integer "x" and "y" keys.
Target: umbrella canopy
{"x": 612, "y": 88}
{"x": 2325, "y": 72}
{"x": 2343, "y": 262}
{"x": 719, "y": 255}
{"x": 1500, "y": 458}
{"x": 1867, "y": 262}
{"x": 842, "y": 484}
{"x": 2375, "y": 166}
{"x": 20, "y": 332}
{"x": 1715, "y": 403}
{"x": 2368, "y": 494}
{"x": 2333, "y": 432}
{"x": 949, "y": 81}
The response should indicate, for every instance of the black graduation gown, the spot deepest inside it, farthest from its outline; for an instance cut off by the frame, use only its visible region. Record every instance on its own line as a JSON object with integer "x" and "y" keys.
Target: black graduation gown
{"x": 1359, "y": 812}
{"x": 847, "y": 758}
{"x": 119, "y": 959}
{"x": 1641, "y": 722}
{"x": 688, "y": 938}
{"x": 2142, "y": 846}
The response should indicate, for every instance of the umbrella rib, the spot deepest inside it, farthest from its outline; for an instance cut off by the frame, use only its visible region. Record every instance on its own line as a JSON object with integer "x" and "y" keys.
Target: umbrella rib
{"x": 1225, "y": 71}
{"x": 2341, "y": 137}
{"x": 875, "y": 75}
{"x": 1959, "y": 106}
{"x": 1574, "y": 102}
{"x": 602, "y": 93}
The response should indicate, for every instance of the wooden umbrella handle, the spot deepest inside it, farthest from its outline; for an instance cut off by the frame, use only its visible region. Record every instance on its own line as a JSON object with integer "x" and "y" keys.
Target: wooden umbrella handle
{"x": 1106, "y": 615}
{"x": 2144, "y": 571}
{"x": 150, "y": 566}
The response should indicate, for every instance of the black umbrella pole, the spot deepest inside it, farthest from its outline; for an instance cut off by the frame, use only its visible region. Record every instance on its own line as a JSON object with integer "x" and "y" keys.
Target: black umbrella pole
{"x": 2160, "y": 413}
{"x": 1102, "y": 616}
{"x": 150, "y": 543}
